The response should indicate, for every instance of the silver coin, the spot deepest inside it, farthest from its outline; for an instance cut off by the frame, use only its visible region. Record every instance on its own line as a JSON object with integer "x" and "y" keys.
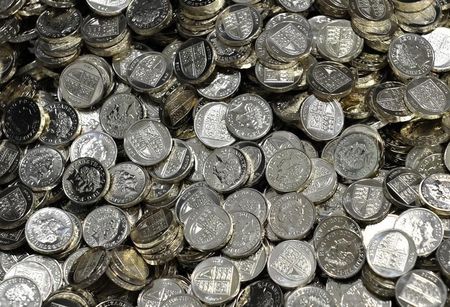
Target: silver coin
{"x": 321, "y": 121}
{"x": 140, "y": 19}
{"x": 49, "y": 230}
{"x": 256, "y": 158}
{"x": 323, "y": 183}
{"x": 296, "y": 6}
{"x": 332, "y": 206}
{"x": 182, "y": 300}
{"x": 401, "y": 186}
{"x": 425, "y": 228}
{"x": 246, "y": 237}
{"x": 105, "y": 226}
{"x": 292, "y": 216}
{"x": 415, "y": 288}
{"x": 340, "y": 253}
{"x": 200, "y": 152}
{"x": 147, "y": 142}
{"x": 278, "y": 80}
{"x": 89, "y": 119}
{"x": 99, "y": 31}
{"x": 17, "y": 203}
{"x": 292, "y": 264}
{"x": 428, "y": 97}
{"x": 249, "y": 117}
{"x": 119, "y": 112}
{"x": 85, "y": 181}
{"x": 52, "y": 265}
{"x": 97, "y": 145}
{"x": 264, "y": 56}
{"x": 249, "y": 200}
{"x": 70, "y": 261}
{"x": 391, "y": 253}
{"x": 215, "y": 281}
{"x": 21, "y": 292}
{"x": 336, "y": 288}
{"x": 249, "y": 268}
{"x": 358, "y": 295}
{"x": 410, "y": 56}
{"x": 365, "y": 202}
{"x": 36, "y": 272}
{"x": 176, "y": 166}
{"x": 338, "y": 42}
{"x": 210, "y": 126}
{"x": 226, "y": 169}
{"x": 129, "y": 185}
{"x": 228, "y": 55}
{"x": 331, "y": 223}
{"x": 439, "y": 40}
{"x": 447, "y": 157}
{"x": 279, "y": 140}
{"x": 434, "y": 193}
{"x": 120, "y": 64}
{"x": 64, "y": 124}
{"x": 443, "y": 257}
{"x": 41, "y": 168}
{"x": 417, "y": 153}
{"x": 194, "y": 197}
{"x": 208, "y": 228}
{"x": 155, "y": 294}
{"x": 309, "y": 296}
{"x": 388, "y": 103}
{"x": 370, "y": 231}
{"x": 356, "y": 156}
{"x": 289, "y": 170}
{"x": 223, "y": 86}
{"x": 107, "y": 8}
{"x": 288, "y": 17}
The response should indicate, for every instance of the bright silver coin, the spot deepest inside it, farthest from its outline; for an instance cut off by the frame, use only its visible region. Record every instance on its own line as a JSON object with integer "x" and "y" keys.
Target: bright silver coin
{"x": 21, "y": 292}
{"x": 97, "y": 145}
{"x": 323, "y": 183}
{"x": 249, "y": 200}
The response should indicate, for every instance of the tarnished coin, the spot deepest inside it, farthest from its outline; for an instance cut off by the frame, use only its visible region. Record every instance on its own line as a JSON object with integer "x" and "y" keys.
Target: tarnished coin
{"x": 226, "y": 169}
{"x": 391, "y": 253}
{"x": 147, "y": 142}
{"x": 415, "y": 288}
{"x": 224, "y": 85}
{"x": 107, "y": 8}
{"x": 9, "y": 161}
{"x": 246, "y": 237}
{"x": 215, "y": 281}
{"x": 292, "y": 264}
{"x": 329, "y": 80}
{"x": 411, "y": 56}
{"x": 358, "y": 295}
{"x": 249, "y": 200}
{"x": 289, "y": 170}
{"x": 439, "y": 40}
{"x": 249, "y": 117}
{"x": 23, "y": 121}
{"x": 238, "y": 24}
{"x": 10, "y": 288}
{"x": 119, "y": 112}
{"x": 321, "y": 121}
{"x": 49, "y": 230}
{"x": 365, "y": 202}
{"x": 323, "y": 183}
{"x": 425, "y": 228}
{"x": 129, "y": 185}
{"x": 292, "y": 216}
{"x": 210, "y": 125}
{"x": 208, "y": 228}
{"x": 338, "y": 42}
{"x": 251, "y": 267}
{"x": 308, "y": 296}
{"x": 259, "y": 293}
{"x": 105, "y": 226}
{"x": 186, "y": 300}
{"x": 331, "y": 223}
{"x": 41, "y": 168}
{"x": 434, "y": 192}
{"x": 159, "y": 291}
{"x": 85, "y": 181}
{"x": 428, "y": 97}
{"x": 64, "y": 124}
{"x": 340, "y": 253}
{"x": 97, "y": 145}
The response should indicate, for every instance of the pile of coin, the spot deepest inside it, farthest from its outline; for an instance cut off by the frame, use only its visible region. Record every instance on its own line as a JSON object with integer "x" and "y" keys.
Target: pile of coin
{"x": 214, "y": 153}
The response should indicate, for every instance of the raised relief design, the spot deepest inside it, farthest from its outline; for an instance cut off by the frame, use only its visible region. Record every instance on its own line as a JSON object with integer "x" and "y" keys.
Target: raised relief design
{"x": 238, "y": 24}
{"x": 290, "y": 40}
{"x": 193, "y": 60}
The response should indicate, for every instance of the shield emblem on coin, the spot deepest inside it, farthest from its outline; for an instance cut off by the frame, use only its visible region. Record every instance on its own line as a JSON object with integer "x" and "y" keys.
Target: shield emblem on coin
{"x": 239, "y": 24}
{"x": 193, "y": 60}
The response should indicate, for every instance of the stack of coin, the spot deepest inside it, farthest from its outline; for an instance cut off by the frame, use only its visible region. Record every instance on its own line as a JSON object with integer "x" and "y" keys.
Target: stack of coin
{"x": 106, "y": 36}
{"x": 158, "y": 237}
{"x": 419, "y": 16}
{"x": 59, "y": 40}
{"x": 148, "y": 18}
{"x": 198, "y": 18}
{"x": 337, "y": 9}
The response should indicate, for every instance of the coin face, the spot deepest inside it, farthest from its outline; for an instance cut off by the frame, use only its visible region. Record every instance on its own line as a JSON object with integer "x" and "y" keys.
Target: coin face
{"x": 41, "y": 168}
{"x": 358, "y": 295}
{"x": 85, "y": 181}
{"x": 58, "y": 24}
{"x": 210, "y": 125}
{"x": 105, "y": 32}
{"x": 147, "y": 18}
{"x": 292, "y": 216}
{"x": 147, "y": 142}
{"x": 410, "y": 56}
{"x": 64, "y": 124}
{"x": 182, "y": 300}
{"x": 49, "y": 230}
{"x": 323, "y": 183}
{"x": 340, "y": 253}
{"x": 331, "y": 223}
{"x": 224, "y": 85}
{"x": 309, "y": 295}
{"x": 259, "y": 293}
{"x": 228, "y": 55}
{"x": 28, "y": 290}
{"x": 208, "y": 228}
{"x": 215, "y": 281}
{"x": 248, "y": 117}
{"x": 107, "y": 8}
{"x": 159, "y": 291}
{"x": 433, "y": 192}
{"x": 391, "y": 253}
{"x": 283, "y": 165}
{"x": 250, "y": 267}
{"x": 279, "y": 140}
{"x": 249, "y": 200}
{"x": 322, "y": 121}
{"x": 291, "y": 264}
{"x": 425, "y": 228}
{"x": 97, "y": 145}
{"x": 200, "y": 153}
{"x": 412, "y": 289}
{"x": 439, "y": 39}
{"x": 225, "y": 169}
{"x": 387, "y": 102}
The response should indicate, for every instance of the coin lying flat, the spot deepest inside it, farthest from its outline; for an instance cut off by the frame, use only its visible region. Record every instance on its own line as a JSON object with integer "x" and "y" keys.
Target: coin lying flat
{"x": 251, "y": 267}
{"x": 309, "y": 295}
{"x": 10, "y": 287}
{"x": 433, "y": 193}
{"x": 64, "y": 124}
{"x": 249, "y": 200}
{"x": 154, "y": 294}
{"x": 97, "y": 145}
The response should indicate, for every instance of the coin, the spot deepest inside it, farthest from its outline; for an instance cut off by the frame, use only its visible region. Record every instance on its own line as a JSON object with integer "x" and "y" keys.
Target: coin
{"x": 21, "y": 285}
{"x": 259, "y": 293}
{"x": 432, "y": 191}
{"x": 138, "y": 13}
{"x": 323, "y": 183}
{"x": 224, "y": 85}
{"x": 252, "y": 266}
{"x": 331, "y": 223}
{"x": 249, "y": 200}
{"x": 291, "y": 264}
{"x": 158, "y": 292}
{"x": 182, "y": 300}
{"x": 107, "y": 9}
{"x": 309, "y": 295}
{"x": 64, "y": 124}
{"x": 357, "y": 294}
